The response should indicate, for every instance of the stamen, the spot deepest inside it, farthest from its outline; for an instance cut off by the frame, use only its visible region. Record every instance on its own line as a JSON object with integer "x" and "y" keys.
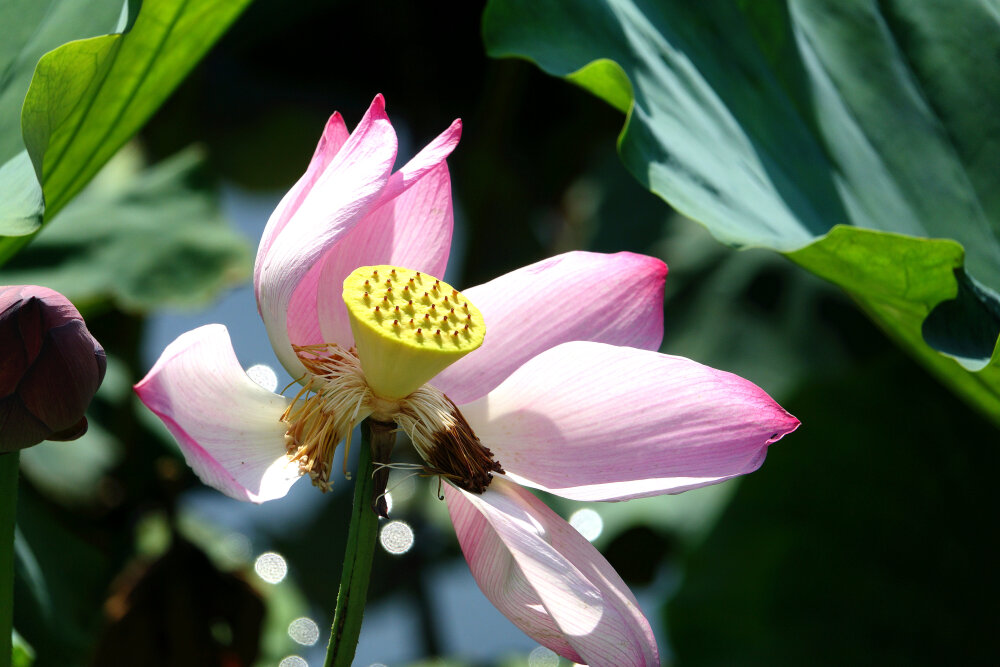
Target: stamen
{"x": 445, "y": 440}
{"x": 324, "y": 411}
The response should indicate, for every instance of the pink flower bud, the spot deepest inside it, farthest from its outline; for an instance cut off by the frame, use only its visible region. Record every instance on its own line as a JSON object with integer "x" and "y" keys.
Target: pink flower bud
{"x": 50, "y": 367}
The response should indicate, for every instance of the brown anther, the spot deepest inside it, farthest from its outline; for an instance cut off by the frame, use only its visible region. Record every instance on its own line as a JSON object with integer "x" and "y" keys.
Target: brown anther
{"x": 395, "y": 323}
{"x": 457, "y": 454}
{"x": 437, "y": 333}
{"x": 418, "y": 331}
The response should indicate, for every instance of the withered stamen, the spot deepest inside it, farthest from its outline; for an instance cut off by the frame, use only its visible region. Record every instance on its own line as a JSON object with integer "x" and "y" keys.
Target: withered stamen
{"x": 445, "y": 440}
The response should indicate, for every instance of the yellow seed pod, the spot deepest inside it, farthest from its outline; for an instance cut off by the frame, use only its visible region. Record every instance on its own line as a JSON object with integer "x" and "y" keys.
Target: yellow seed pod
{"x": 408, "y": 327}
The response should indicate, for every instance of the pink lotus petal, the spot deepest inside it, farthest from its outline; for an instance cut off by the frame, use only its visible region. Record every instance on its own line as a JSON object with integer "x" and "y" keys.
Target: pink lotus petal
{"x": 614, "y": 299}
{"x": 590, "y": 421}
{"x": 227, "y": 427}
{"x": 547, "y": 579}
{"x": 341, "y": 196}
{"x": 334, "y": 135}
{"x": 303, "y": 314}
{"x": 432, "y": 155}
{"x": 413, "y": 230}
{"x": 411, "y": 226}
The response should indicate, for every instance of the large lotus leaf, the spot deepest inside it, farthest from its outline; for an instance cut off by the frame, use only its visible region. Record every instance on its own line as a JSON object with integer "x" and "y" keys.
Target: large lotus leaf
{"x": 774, "y": 121}
{"x": 30, "y": 29}
{"x": 88, "y": 97}
{"x": 139, "y": 240}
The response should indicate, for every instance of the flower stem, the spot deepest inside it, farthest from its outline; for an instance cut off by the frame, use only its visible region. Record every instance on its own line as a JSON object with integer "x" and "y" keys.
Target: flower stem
{"x": 360, "y": 548}
{"x": 8, "y": 512}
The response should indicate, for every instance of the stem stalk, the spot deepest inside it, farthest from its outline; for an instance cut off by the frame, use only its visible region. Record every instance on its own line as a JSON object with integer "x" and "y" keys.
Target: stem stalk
{"x": 361, "y": 535}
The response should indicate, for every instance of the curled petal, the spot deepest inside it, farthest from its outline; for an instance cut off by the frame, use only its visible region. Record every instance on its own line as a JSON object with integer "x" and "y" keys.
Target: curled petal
{"x": 413, "y": 231}
{"x": 410, "y": 227}
{"x": 591, "y": 421}
{"x": 430, "y": 157}
{"x": 334, "y": 135}
{"x": 228, "y": 427}
{"x": 615, "y": 299}
{"x": 345, "y": 192}
{"x": 547, "y": 579}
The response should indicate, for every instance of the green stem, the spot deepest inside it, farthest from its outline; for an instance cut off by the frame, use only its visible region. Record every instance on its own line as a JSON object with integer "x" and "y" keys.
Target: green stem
{"x": 360, "y": 549}
{"x": 8, "y": 513}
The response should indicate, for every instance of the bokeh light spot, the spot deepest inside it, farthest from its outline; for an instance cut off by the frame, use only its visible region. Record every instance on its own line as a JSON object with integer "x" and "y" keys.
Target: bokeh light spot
{"x": 543, "y": 657}
{"x": 271, "y": 567}
{"x": 588, "y": 522}
{"x": 304, "y": 631}
{"x": 293, "y": 661}
{"x": 263, "y": 375}
{"x": 396, "y": 537}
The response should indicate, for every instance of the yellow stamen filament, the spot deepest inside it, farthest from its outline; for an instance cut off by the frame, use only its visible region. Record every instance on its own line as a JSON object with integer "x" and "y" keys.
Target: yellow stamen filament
{"x": 332, "y": 400}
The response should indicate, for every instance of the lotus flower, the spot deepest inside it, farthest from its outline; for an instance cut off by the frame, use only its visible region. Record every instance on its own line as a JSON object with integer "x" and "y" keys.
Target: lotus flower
{"x": 547, "y": 377}
{"x": 50, "y": 367}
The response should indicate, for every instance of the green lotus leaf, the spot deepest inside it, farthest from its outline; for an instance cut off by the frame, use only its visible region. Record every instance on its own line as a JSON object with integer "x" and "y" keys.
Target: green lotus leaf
{"x": 854, "y": 136}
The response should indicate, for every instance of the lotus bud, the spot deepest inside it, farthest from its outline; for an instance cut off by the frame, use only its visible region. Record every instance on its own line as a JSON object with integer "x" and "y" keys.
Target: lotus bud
{"x": 50, "y": 367}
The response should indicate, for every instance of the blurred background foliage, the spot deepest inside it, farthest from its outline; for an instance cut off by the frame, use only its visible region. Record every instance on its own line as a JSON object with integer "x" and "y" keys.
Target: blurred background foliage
{"x": 865, "y": 537}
